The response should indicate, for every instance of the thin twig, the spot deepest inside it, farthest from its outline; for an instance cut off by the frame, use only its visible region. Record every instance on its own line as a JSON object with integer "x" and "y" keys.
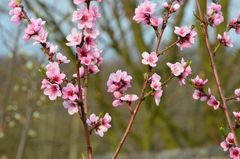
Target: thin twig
{"x": 142, "y": 94}
{"x": 216, "y": 76}
{"x": 163, "y": 51}
{"x": 230, "y": 98}
{"x": 216, "y": 49}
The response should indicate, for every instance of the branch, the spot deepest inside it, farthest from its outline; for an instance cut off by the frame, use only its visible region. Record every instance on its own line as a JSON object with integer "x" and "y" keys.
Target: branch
{"x": 216, "y": 75}
{"x": 142, "y": 94}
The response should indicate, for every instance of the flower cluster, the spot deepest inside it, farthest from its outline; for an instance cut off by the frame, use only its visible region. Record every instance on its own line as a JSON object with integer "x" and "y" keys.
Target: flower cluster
{"x": 16, "y": 12}
{"x": 36, "y": 31}
{"x": 100, "y": 125}
{"x": 214, "y": 15}
{"x": 225, "y": 39}
{"x": 84, "y": 37}
{"x": 228, "y": 144}
{"x": 156, "y": 87}
{"x": 200, "y": 94}
{"x": 54, "y": 78}
{"x": 144, "y": 13}
{"x": 118, "y": 83}
{"x": 186, "y": 37}
{"x": 181, "y": 70}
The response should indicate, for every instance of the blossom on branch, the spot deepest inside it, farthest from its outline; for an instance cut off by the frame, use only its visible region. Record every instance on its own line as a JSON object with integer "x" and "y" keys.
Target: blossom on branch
{"x": 214, "y": 15}
{"x": 186, "y": 37}
{"x": 144, "y": 13}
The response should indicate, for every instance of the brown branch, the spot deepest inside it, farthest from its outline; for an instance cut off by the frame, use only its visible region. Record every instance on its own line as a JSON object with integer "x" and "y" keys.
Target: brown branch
{"x": 82, "y": 103}
{"x": 230, "y": 98}
{"x": 216, "y": 76}
{"x": 142, "y": 94}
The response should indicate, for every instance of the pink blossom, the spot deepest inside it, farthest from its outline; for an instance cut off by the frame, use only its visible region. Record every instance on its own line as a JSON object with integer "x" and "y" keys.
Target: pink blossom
{"x": 61, "y": 58}
{"x": 45, "y": 83}
{"x": 198, "y": 82}
{"x": 92, "y": 120}
{"x": 52, "y": 91}
{"x": 237, "y": 116}
{"x": 119, "y": 81}
{"x": 235, "y": 24}
{"x": 199, "y": 95}
{"x": 213, "y": 102}
{"x": 52, "y": 49}
{"x": 186, "y": 37}
{"x": 53, "y": 73}
{"x": 237, "y": 93}
{"x": 150, "y": 59}
{"x": 177, "y": 69}
{"x": 234, "y": 152}
{"x": 100, "y": 125}
{"x": 89, "y": 42}
{"x": 33, "y": 28}
{"x": 157, "y": 96}
{"x": 144, "y": 14}
{"x": 100, "y": 130}
{"x": 225, "y": 39}
{"x": 75, "y": 38}
{"x": 71, "y": 106}
{"x": 93, "y": 69}
{"x": 187, "y": 71}
{"x": 117, "y": 102}
{"x": 13, "y": 4}
{"x": 84, "y": 17}
{"x": 70, "y": 92}
{"x": 225, "y": 145}
{"x": 129, "y": 98}
{"x": 91, "y": 32}
{"x": 106, "y": 120}
{"x": 17, "y": 15}
{"x": 41, "y": 37}
{"x": 81, "y": 72}
{"x": 172, "y": 8}
{"x": 214, "y": 14}
{"x": 155, "y": 82}
{"x": 181, "y": 70}
{"x": 86, "y": 60}
{"x": 94, "y": 11}
{"x": 87, "y": 55}
{"x": 156, "y": 21}
{"x": 144, "y": 11}
{"x": 230, "y": 138}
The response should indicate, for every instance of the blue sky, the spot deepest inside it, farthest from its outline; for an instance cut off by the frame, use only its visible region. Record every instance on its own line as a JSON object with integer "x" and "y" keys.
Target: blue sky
{"x": 12, "y": 30}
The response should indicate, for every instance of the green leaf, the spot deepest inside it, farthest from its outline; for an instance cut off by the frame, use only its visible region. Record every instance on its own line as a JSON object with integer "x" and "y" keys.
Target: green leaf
{"x": 42, "y": 71}
{"x": 223, "y": 131}
{"x": 189, "y": 62}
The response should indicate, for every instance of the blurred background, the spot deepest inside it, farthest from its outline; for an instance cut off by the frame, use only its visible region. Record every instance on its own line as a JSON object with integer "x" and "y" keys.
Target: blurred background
{"x": 31, "y": 126}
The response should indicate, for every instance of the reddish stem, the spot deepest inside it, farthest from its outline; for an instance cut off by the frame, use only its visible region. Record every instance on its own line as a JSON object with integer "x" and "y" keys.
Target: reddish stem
{"x": 216, "y": 76}
{"x": 142, "y": 95}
